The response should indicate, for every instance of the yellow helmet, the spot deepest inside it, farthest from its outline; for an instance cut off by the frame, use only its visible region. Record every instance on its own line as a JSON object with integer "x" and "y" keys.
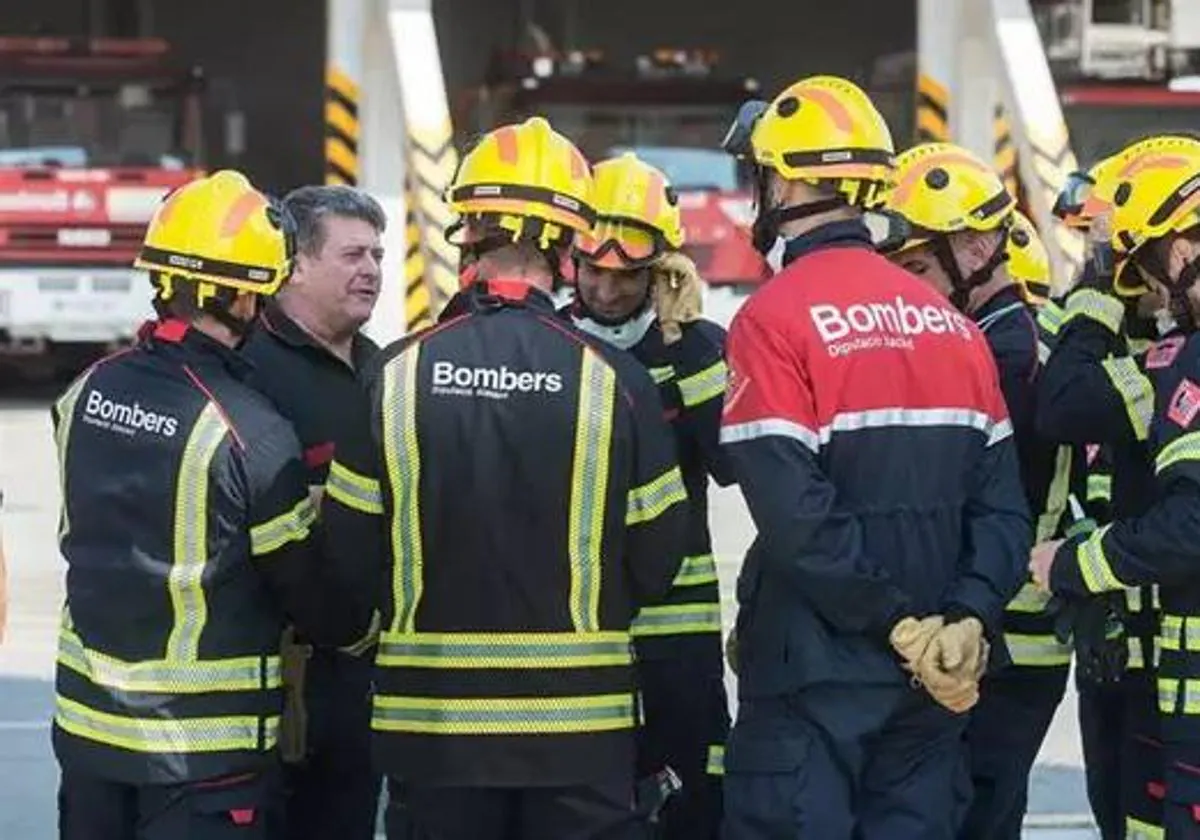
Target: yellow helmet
{"x": 637, "y": 215}
{"x": 824, "y": 129}
{"x": 1155, "y": 192}
{"x": 1028, "y": 260}
{"x": 219, "y": 231}
{"x": 527, "y": 178}
{"x": 941, "y": 188}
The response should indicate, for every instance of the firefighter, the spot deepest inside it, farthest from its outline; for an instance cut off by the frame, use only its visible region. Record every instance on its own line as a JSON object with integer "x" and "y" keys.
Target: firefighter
{"x": 309, "y": 354}
{"x": 865, "y": 426}
{"x": 1147, "y": 243}
{"x": 524, "y": 489}
{"x": 638, "y": 292}
{"x": 1094, "y": 389}
{"x": 962, "y": 222}
{"x": 188, "y": 532}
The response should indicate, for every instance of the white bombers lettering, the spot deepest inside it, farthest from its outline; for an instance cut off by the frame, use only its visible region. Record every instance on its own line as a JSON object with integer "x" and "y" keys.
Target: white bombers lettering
{"x": 896, "y": 318}
{"x": 492, "y": 381}
{"x": 98, "y": 410}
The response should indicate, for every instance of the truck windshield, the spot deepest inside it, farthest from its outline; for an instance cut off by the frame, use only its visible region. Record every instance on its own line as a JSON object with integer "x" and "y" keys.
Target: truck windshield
{"x": 598, "y": 128}
{"x": 1101, "y": 130}
{"x": 689, "y": 169}
{"x": 127, "y": 126}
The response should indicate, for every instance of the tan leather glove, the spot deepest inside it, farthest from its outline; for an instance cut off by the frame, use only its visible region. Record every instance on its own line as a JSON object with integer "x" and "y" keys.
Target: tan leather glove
{"x": 953, "y": 664}
{"x": 731, "y": 651}
{"x": 912, "y": 636}
{"x": 678, "y": 294}
{"x": 956, "y": 692}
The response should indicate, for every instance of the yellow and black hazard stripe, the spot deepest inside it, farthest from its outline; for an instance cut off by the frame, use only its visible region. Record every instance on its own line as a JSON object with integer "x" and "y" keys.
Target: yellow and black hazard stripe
{"x": 432, "y": 160}
{"x": 418, "y": 305}
{"x": 933, "y": 116}
{"x": 1005, "y": 159}
{"x": 341, "y": 127}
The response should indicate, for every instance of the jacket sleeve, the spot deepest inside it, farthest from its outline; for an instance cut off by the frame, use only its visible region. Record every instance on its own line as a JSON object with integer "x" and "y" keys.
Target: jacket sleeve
{"x": 1163, "y": 544}
{"x": 1091, "y": 389}
{"x": 286, "y": 544}
{"x": 702, "y": 394}
{"x": 770, "y": 432}
{"x": 1015, "y": 349}
{"x": 656, "y": 503}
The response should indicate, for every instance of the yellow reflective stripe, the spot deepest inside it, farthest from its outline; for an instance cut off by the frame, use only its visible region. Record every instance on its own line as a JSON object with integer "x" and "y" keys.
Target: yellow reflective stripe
{"x": 167, "y": 735}
{"x": 1099, "y": 488}
{"x": 65, "y": 406}
{"x": 1183, "y": 448}
{"x": 1057, "y": 496}
{"x": 1037, "y": 651}
{"x": 243, "y": 673}
{"x": 1168, "y": 695}
{"x": 1097, "y": 573}
{"x": 703, "y": 386}
{"x": 1050, "y": 317}
{"x": 1178, "y": 632}
{"x": 502, "y": 715}
{"x": 696, "y": 570}
{"x": 1136, "y": 392}
{"x": 1133, "y": 599}
{"x": 715, "y": 766}
{"x": 1171, "y": 691}
{"x": 675, "y": 619}
{"x": 403, "y": 459}
{"x": 292, "y": 526}
{"x": 1137, "y": 653}
{"x": 186, "y": 578}
{"x": 662, "y": 374}
{"x": 653, "y": 498}
{"x": 504, "y": 650}
{"x": 355, "y": 491}
{"x": 589, "y": 487}
{"x": 1101, "y": 308}
{"x": 1138, "y": 830}
{"x": 1029, "y": 599}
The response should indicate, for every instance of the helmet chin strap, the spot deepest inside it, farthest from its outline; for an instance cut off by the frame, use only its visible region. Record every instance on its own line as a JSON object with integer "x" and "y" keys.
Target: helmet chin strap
{"x": 769, "y": 220}
{"x": 962, "y": 286}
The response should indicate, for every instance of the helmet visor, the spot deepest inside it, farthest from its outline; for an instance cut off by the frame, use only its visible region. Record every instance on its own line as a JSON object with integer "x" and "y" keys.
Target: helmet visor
{"x": 1073, "y": 198}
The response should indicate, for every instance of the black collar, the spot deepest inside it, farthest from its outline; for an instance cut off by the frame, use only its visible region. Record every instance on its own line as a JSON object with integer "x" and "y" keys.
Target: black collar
{"x": 498, "y": 293}
{"x": 172, "y": 333}
{"x": 848, "y": 233}
{"x": 277, "y": 322}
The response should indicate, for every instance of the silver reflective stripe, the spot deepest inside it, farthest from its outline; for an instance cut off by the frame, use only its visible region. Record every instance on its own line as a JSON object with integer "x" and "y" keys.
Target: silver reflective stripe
{"x": 770, "y": 427}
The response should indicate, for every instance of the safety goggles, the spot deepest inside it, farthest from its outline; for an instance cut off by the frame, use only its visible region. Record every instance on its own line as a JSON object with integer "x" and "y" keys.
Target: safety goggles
{"x": 617, "y": 242}
{"x": 737, "y": 138}
{"x": 1073, "y": 197}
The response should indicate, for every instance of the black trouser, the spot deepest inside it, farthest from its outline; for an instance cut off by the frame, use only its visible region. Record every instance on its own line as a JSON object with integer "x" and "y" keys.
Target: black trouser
{"x": 1004, "y": 735}
{"x": 243, "y": 807}
{"x": 685, "y": 724}
{"x": 334, "y": 793}
{"x": 1122, "y": 753}
{"x": 591, "y": 812}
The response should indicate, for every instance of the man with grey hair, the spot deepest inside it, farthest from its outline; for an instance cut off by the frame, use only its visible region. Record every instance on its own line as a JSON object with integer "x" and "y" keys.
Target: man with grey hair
{"x": 308, "y": 353}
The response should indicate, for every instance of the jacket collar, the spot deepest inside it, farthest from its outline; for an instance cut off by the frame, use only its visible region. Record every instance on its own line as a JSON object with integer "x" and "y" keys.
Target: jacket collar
{"x": 177, "y": 334}
{"x": 279, "y": 324}
{"x": 498, "y": 293}
{"x": 849, "y": 233}
{"x": 1003, "y": 302}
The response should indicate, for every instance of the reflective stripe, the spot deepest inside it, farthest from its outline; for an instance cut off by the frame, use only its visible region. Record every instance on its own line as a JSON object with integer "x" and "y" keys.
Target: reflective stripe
{"x": 675, "y": 619}
{"x": 1099, "y": 488}
{"x": 292, "y": 526}
{"x": 1183, "y": 448}
{"x": 1043, "y": 352}
{"x": 661, "y": 374}
{"x": 771, "y": 427}
{"x": 1170, "y": 691}
{"x": 1137, "y": 654}
{"x": 1133, "y": 599}
{"x": 1029, "y": 599}
{"x": 1177, "y": 632}
{"x": 990, "y": 320}
{"x": 357, "y": 492}
{"x": 1057, "y": 496}
{"x": 1050, "y": 317}
{"x": 1136, "y": 392}
{"x": 245, "y": 673}
{"x": 653, "y": 498}
{"x": 403, "y": 459}
{"x": 1138, "y": 830}
{"x": 1105, "y": 310}
{"x": 703, "y": 386}
{"x": 502, "y": 715}
{"x": 696, "y": 570}
{"x": 65, "y": 406}
{"x": 186, "y": 578}
{"x": 1097, "y": 573}
{"x": 168, "y": 735}
{"x": 715, "y": 765}
{"x": 1037, "y": 651}
{"x": 504, "y": 650}
{"x": 589, "y": 488}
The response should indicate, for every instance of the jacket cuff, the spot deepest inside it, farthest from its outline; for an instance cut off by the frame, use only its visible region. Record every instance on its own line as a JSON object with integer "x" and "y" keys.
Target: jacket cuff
{"x": 1066, "y": 573}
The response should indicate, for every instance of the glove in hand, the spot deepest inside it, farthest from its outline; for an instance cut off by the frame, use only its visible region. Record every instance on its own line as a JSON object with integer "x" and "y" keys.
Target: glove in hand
{"x": 953, "y": 663}
{"x": 677, "y": 294}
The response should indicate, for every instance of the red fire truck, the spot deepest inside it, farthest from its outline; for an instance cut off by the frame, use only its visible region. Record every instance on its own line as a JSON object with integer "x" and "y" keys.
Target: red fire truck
{"x": 669, "y": 108}
{"x": 93, "y": 133}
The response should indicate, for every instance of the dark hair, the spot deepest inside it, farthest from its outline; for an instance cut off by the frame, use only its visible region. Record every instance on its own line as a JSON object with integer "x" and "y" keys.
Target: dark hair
{"x": 309, "y": 205}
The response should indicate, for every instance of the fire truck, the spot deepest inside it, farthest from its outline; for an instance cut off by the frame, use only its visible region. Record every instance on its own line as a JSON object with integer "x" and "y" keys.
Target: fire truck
{"x": 670, "y": 108}
{"x": 93, "y": 133}
{"x": 1125, "y": 69}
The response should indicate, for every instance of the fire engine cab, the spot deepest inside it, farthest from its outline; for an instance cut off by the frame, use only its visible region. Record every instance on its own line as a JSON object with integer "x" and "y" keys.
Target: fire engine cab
{"x": 670, "y": 108}
{"x": 93, "y": 133}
